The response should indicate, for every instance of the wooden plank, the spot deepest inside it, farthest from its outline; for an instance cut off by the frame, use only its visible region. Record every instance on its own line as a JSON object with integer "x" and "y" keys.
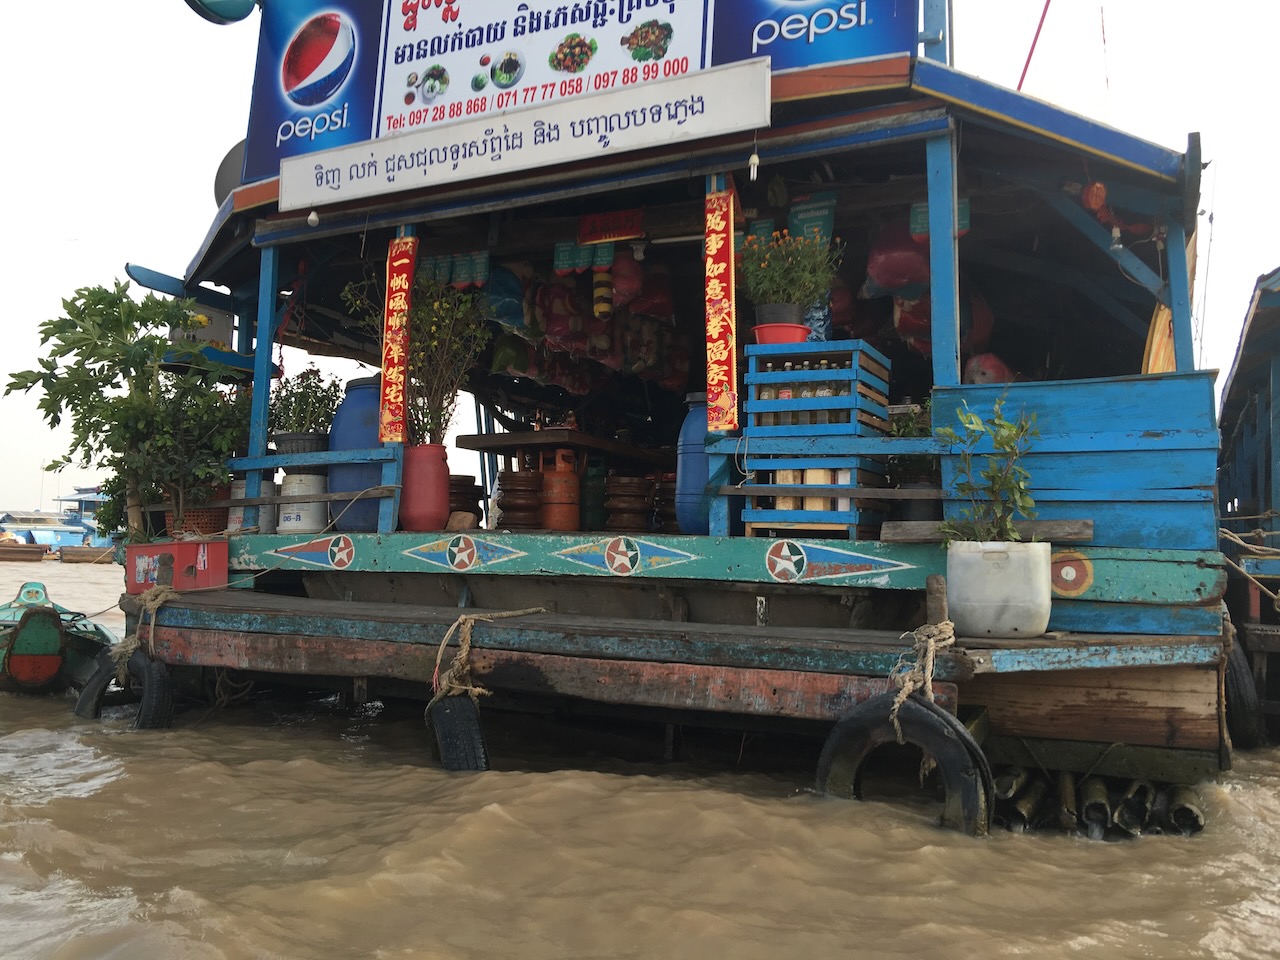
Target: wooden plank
{"x": 929, "y": 531}
{"x": 1086, "y": 616}
{"x": 760, "y": 692}
{"x": 1260, "y": 636}
{"x": 1105, "y": 759}
{"x": 1172, "y": 706}
{"x": 818, "y": 650}
{"x": 830, "y": 79}
{"x": 1079, "y": 653}
{"x": 1168, "y": 525}
{"x": 772, "y": 693}
{"x": 1156, "y": 407}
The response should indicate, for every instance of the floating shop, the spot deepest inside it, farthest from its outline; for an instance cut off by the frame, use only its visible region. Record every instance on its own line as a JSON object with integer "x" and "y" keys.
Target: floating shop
{"x": 677, "y": 515}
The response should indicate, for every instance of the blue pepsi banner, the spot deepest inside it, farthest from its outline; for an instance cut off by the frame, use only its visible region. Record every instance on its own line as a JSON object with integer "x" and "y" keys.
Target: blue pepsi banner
{"x": 330, "y": 74}
{"x": 316, "y": 80}
{"x": 802, "y": 33}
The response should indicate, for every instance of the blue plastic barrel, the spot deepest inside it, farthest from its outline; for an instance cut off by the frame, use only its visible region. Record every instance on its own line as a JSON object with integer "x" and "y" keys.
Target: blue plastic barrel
{"x": 693, "y": 503}
{"x": 355, "y": 427}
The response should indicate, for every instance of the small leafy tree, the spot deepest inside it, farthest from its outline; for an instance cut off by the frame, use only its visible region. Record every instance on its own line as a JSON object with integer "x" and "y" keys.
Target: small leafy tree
{"x": 305, "y": 403}
{"x": 109, "y": 372}
{"x": 996, "y": 485}
{"x": 448, "y": 331}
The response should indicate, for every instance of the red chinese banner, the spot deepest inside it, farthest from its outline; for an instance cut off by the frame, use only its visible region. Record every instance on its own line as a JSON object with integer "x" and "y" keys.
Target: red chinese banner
{"x": 722, "y": 346}
{"x": 392, "y": 415}
{"x": 610, "y": 225}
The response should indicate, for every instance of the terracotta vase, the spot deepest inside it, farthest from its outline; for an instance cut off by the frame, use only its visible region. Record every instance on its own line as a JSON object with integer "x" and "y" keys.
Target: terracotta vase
{"x": 424, "y": 495}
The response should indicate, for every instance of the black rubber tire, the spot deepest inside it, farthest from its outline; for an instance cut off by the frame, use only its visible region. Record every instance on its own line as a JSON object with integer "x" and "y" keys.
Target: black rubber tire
{"x": 961, "y": 765}
{"x": 1245, "y": 721}
{"x": 155, "y": 710}
{"x": 89, "y": 702}
{"x": 455, "y": 722}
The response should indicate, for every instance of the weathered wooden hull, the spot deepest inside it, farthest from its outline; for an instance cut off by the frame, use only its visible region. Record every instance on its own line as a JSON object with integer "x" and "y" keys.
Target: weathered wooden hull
{"x": 87, "y": 554}
{"x": 22, "y": 552}
{"x": 1158, "y": 692}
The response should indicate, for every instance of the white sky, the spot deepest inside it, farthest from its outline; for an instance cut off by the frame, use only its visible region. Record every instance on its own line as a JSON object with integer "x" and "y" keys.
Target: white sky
{"x": 119, "y": 114}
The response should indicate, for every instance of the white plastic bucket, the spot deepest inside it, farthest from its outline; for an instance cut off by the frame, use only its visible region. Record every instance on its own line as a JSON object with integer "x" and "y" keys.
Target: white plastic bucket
{"x": 266, "y": 513}
{"x": 302, "y": 517}
{"x": 998, "y": 589}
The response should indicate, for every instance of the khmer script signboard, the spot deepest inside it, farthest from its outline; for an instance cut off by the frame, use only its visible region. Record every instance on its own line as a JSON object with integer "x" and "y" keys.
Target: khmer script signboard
{"x": 705, "y": 104}
{"x": 336, "y": 72}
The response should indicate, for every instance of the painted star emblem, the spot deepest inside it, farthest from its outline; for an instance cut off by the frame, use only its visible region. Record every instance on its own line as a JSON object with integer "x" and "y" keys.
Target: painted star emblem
{"x": 341, "y": 552}
{"x": 785, "y": 560}
{"x": 622, "y": 556}
{"x": 461, "y": 553}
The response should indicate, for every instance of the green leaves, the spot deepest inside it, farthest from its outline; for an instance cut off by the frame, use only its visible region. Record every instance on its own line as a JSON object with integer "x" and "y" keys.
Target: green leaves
{"x": 996, "y": 484}
{"x": 305, "y": 403}
{"x": 110, "y": 372}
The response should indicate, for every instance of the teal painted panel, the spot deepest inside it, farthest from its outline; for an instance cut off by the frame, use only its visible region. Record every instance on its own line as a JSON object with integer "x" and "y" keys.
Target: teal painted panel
{"x": 1082, "y": 616}
{"x": 1153, "y": 577}
{"x": 796, "y": 561}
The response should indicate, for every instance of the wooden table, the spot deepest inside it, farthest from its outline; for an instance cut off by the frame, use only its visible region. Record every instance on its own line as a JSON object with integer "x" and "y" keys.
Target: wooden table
{"x": 513, "y": 444}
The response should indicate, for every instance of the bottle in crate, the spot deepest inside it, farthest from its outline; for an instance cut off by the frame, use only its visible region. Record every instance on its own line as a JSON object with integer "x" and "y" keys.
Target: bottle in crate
{"x": 823, "y": 391}
{"x": 786, "y": 391}
{"x": 768, "y": 392}
{"x": 805, "y": 417}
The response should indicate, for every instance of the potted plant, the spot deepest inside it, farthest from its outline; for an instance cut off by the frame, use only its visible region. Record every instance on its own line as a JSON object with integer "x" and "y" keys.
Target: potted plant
{"x": 157, "y": 423}
{"x": 301, "y": 412}
{"x": 448, "y": 331}
{"x": 997, "y": 585}
{"x": 785, "y": 274}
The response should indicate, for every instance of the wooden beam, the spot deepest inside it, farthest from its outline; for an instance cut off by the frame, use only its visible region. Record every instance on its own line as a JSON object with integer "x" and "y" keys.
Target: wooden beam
{"x": 773, "y": 693}
{"x": 1166, "y": 706}
{"x": 929, "y": 531}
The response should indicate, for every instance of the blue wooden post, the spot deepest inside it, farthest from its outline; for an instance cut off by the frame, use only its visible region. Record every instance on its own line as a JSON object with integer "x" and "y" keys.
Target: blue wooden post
{"x": 936, "y": 36}
{"x": 1180, "y": 298}
{"x": 1267, "y": 464}
{"x": 944, "y": 282}
{"x": 264, "y": 336}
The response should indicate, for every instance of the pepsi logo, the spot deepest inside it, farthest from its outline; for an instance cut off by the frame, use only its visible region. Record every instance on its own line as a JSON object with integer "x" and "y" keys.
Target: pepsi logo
{"x": 318, "y": 59}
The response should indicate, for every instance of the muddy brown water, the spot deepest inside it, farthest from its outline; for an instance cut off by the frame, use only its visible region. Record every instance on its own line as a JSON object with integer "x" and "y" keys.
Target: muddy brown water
{"x": 286, "y": 829}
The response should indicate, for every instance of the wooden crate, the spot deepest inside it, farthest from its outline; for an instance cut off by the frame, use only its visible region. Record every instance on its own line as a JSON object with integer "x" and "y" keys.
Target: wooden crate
{"x": 857, "y": 375}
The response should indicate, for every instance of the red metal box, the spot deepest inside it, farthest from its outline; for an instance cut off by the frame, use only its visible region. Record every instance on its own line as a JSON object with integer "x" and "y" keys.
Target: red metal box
{"x": 196, "y": 563}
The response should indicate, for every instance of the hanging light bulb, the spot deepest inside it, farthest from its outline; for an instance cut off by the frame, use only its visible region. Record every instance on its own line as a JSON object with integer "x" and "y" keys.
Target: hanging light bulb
{"x": 753, "y": 164}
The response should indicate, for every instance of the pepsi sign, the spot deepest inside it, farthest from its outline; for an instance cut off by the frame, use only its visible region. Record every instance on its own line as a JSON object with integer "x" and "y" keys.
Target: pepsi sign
{"x": 801, "y": 33}
{"x": 316, "y": 80}
{"x": 332, "y": 73}
{"x": 318, "y": 59}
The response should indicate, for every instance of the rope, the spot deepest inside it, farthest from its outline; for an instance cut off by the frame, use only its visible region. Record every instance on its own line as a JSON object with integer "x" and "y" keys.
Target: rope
{"x": 457, "y": 676}
{"x": 1257, "y": 549}
{"x": 929, "y": 639}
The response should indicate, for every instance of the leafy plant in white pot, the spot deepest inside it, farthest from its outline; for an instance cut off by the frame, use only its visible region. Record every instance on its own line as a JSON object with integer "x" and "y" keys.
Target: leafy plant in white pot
{"x": 997, "y": 584}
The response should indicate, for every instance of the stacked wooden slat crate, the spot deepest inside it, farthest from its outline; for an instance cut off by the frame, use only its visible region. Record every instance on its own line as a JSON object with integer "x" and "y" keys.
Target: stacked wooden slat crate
{"x": 799, "y": 393}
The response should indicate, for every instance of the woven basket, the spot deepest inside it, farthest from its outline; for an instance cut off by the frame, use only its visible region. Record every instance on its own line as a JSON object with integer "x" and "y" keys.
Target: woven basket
{"x": 203, "y": 521}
